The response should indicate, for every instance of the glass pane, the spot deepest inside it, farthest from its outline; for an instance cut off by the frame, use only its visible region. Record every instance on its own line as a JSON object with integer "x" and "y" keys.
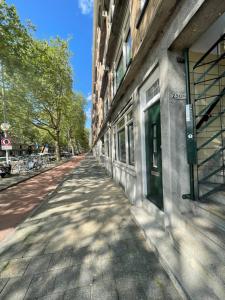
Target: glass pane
{"x": 131, "y": 143}
{"x": 115, "y": 154}
{"x": 129, "y": 116}
{"x": 107, "y": 144}
{"x": 152, "y": 91}
{"x": 121, "y": 146}
{"x": 119, "y": 71}
{"x": 128, "y": 48}
{"x": 121, "y": 123}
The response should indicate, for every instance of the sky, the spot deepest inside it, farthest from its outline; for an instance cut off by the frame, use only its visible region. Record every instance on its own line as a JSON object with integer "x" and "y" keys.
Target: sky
{"x": 67, "y": 19}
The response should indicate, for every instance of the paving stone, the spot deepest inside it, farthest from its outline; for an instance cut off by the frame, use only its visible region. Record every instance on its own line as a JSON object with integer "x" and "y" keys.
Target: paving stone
{"x": 38, "y": 265}
{"x": 53, "y": 296}
{"x": 3, "y": 282}
{"x": 82, "y": 255}
{"x": 16, "y": 250}
{"x": 33, "y": 249}
{"x": 61, "y": 259}
{"x": 41, "y": 285}
{"x": 104, "y": 290}
{"x": 16, "y": 288}
{"x": 78, "y": 294}
{"x": 119, "y": 248}
{"x": 65, "y": 279}
{"x": 128, "y": 288}
{"x": 15, "y": 267}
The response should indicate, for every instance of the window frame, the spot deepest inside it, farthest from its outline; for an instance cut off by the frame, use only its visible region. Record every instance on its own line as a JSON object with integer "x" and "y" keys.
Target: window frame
{"x": 119, "y": 131}
{"x": 123, "y": 124}
{"x": 126, "y": 43}
{"x": 129, "y": 124}
{"x": 142, "y": 9}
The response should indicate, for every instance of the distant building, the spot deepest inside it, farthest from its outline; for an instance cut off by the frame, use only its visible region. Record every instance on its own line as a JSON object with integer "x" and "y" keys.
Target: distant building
{"x": 158, "y": 126}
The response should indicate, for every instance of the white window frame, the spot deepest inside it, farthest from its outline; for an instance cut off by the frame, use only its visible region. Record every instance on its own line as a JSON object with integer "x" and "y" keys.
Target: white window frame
{"x": 129, "y": 122}
{"x": 144, "y": 106}
{"x": 116, "y": 131}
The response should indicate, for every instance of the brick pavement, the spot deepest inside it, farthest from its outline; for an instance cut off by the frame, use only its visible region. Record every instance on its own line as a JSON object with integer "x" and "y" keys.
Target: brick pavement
{"x": 82, "y": 244}
{"x": 17, "y": 201}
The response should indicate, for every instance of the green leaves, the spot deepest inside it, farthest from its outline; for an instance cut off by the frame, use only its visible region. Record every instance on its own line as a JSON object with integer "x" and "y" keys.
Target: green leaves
{"x": 37, "y": 76}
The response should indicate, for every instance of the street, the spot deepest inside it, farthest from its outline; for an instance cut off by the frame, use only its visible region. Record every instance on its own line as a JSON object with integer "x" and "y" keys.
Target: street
{"x": 81, "y": 243}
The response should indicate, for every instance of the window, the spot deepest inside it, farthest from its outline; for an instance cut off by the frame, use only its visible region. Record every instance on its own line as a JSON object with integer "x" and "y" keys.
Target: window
{"x": 106, "y": 107}
{"x": 130, "y": 134}
{"x": 122, "y": 145}
{"x": 130, "y": 129}
{"x": 107, "y": 144}
{"x": 128, "y": 45}
{"x": 119, "y": 71}
{"x": 103, "y": 146}
{"x": 152, "y": 91}
{"x": 115, "y": 151}
{"x": 125, "y": 139}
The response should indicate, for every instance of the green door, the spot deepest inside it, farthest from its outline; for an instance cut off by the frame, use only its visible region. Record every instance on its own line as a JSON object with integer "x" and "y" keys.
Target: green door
{"x": 154, "y": 155}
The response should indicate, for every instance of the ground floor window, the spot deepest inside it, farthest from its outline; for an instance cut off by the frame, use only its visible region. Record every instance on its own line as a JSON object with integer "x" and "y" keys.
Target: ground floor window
{"x": 107, "y": 144}
{"x": 124, "y": 139}
{"x": 103, "y": 146}
{"x": 122, "y": 145}
{"x": 130, "y": 129}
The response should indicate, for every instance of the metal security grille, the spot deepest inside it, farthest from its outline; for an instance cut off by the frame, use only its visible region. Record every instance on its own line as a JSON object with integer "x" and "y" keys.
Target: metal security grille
{"x": 208, "y": 94}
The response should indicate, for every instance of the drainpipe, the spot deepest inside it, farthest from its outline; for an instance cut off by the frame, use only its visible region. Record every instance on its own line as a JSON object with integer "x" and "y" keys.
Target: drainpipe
{"x": 191, "y": 146}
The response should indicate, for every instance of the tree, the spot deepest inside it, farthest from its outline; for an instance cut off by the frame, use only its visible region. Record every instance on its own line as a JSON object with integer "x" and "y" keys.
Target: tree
{"x": 49, "y": 87}
{"x": 15, "y": 38}
{"x": 74, "y": 124}
{"x": 37, "y": 81}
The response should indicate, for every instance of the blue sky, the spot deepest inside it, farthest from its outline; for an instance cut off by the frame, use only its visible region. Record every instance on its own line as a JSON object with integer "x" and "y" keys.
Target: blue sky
{"x": 65, "y": 18}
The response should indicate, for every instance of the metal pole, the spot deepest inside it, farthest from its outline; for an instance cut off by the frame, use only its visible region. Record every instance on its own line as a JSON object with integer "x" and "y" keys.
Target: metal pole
{"x": 188, "y": 101}
{"x": 4, "y": 108}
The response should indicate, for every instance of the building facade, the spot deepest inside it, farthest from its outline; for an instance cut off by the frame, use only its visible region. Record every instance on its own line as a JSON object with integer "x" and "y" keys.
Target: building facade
{"x": 158, "y": 127}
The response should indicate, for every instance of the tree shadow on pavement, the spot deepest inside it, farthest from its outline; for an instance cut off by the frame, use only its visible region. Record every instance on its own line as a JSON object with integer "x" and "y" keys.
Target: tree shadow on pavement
{"x": 82, "y": 244}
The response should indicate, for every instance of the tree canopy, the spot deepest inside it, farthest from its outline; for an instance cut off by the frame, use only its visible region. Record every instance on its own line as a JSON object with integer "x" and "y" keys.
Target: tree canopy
{"x": 36, "y": 80}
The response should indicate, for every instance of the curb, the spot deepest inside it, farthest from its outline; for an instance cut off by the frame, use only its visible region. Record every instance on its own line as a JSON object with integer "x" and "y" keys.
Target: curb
{"x": 3, "y": 243}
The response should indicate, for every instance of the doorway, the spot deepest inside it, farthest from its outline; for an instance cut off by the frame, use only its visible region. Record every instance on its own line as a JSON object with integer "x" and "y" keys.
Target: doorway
{"x": 153, "y": 155}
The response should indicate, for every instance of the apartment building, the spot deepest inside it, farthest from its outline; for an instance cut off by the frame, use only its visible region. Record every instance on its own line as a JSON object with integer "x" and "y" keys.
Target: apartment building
{"x": 158, "y": 127}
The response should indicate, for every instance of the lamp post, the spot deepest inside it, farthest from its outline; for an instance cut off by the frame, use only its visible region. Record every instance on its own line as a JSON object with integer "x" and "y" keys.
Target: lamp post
{"x": 4, "y": 126}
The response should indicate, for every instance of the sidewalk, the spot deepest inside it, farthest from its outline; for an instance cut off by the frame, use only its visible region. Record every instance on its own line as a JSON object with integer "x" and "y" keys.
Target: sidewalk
{"x": 82, "y": 244}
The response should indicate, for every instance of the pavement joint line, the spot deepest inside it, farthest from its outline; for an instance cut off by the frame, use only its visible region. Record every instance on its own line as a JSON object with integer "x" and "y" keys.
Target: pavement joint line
{"x": 32, "y": 176}
{"x": 3, "y": 243}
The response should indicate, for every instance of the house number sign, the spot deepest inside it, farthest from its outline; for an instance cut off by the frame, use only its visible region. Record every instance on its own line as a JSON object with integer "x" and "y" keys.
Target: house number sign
{"x": 176, "y": 96}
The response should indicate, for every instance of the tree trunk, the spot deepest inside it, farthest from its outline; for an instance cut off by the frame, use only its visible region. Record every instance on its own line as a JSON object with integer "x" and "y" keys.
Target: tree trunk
{"x": 57, "y": 147}
{"x": 72, "y": 149}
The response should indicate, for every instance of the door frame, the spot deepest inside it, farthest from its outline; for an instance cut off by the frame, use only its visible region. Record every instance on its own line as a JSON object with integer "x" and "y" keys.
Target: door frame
{"x": 143, "y": 108}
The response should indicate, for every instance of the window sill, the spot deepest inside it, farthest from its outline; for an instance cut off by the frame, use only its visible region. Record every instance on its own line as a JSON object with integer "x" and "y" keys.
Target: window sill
{"x": 141, "y": 14}
{"x": 124, "y": 166}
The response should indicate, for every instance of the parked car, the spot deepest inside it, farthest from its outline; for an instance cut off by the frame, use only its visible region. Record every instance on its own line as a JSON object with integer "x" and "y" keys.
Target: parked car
{"x": 66, "y": 154}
